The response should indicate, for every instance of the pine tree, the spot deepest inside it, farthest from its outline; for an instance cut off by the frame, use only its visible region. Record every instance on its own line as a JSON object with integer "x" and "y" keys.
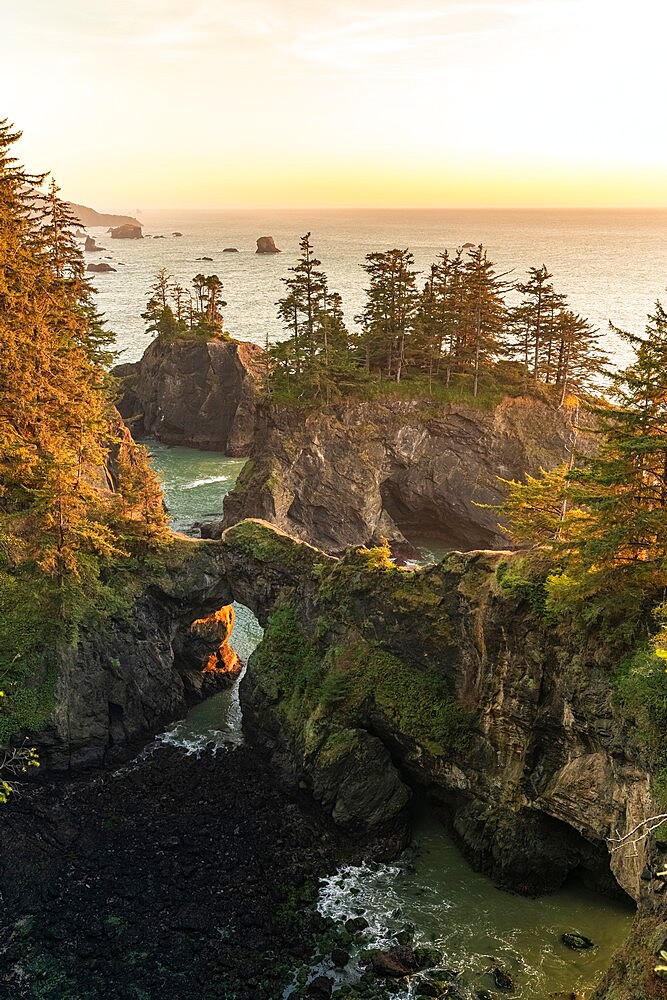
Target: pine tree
{"x": 389, "y": 315}
{"x": 315, "y": 362}
{"x": 625, "y": 487}
{"x": 58, "y": 516}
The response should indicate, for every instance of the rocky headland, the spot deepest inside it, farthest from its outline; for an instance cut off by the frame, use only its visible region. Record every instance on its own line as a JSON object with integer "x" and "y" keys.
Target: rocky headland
{"x": 194, "y": 392}
{"x": 358, "y": 471}
{"x": 373, "y": 681}
{"x": 90, "y": 217}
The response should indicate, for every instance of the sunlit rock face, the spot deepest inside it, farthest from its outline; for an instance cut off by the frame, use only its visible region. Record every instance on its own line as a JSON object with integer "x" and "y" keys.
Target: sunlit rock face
{"x": 218, "y": 628}
{"x": 353, "y": 473}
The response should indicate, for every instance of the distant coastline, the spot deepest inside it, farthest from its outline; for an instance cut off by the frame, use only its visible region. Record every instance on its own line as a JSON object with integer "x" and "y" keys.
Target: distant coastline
{"x": 89, "y": 217}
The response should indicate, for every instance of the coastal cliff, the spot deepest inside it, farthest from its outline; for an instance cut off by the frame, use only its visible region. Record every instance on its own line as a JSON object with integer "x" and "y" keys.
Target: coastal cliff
{"x": 353, "y": 473}
{"x": 139, "y": 668}
{"x": 193, "y": 392}
{"x": 373, "y": 682}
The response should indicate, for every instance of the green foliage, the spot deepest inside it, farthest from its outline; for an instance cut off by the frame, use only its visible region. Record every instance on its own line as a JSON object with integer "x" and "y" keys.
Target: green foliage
{"x": 641, "y": 692}
{"x": 524, "y": 579}
{"x": 65, "y": 530}
{"x": 310, "y": 681}
{"x": 174, "y": 312}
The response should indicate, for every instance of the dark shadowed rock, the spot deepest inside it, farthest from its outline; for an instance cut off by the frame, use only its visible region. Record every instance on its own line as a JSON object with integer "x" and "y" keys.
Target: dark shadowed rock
{"x": 266, "y": 244}
{"x": 177, "y": 234}
{"x": 100, "y": 268}
{"x": 197, "y": 393}
{"x": 126, "y": 232}
{"x": 320, "y": 988}
{"x": 230, "y": 250}
{"x": 91, "y": 246}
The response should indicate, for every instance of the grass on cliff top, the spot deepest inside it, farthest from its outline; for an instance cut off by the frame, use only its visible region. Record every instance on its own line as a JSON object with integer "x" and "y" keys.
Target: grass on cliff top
{"x": 262, "y": 542}
{"x": 310, "y": 683}
{"x": 504, "y": 378}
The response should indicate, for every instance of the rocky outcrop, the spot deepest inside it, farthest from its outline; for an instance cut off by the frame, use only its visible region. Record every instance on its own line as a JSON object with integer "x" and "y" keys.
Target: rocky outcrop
{"x": 350, "y": 474}
{"x": 194, "y": 392}
{"x": 266, "y": 244}
{"x": 139, "y": 669}
{"x": 127, "y": 231}
{"x": 376, "y": 678}
{"x": 101, "y": 268}
{"x": 91, "y": 246}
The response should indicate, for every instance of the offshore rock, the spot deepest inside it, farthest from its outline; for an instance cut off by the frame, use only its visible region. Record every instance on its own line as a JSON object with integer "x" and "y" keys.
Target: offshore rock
{"x": 128, "y": 231}
{"x": 100, "y": 268}
{"x": 193, "y": 392}
{"x": 266, "y": 244}
{"x": 353, "y": 473}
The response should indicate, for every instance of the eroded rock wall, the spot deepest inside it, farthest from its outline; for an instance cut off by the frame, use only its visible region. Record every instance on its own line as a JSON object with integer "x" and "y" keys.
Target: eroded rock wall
{"x": 350, "y": 474}
{"x": 126, "y": 676}
{"x": 193, "y": 392}
{"x": 441, "y": 679}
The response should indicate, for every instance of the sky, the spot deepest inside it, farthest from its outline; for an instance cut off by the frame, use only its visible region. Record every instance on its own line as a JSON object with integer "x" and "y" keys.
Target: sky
{"x": 312, "y": 103}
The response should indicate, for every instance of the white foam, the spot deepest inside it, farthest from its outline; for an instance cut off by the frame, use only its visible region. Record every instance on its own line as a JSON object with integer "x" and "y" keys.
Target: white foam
{"x": 205, "y": 482}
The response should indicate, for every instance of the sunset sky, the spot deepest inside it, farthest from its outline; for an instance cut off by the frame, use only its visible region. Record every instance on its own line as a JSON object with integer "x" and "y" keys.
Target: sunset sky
{"x": 255, "y": 103}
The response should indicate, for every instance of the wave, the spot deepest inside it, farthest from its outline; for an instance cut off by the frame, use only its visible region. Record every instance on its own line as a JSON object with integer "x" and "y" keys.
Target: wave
{"x": 205, "y": 482}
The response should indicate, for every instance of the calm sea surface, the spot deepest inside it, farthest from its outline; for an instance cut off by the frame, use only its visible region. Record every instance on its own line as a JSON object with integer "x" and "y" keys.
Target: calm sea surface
{"x": 611, "y": 264}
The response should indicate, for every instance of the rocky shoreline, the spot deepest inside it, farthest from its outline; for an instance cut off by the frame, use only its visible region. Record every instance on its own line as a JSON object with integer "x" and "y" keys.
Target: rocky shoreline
{"x": 182, "y": 877}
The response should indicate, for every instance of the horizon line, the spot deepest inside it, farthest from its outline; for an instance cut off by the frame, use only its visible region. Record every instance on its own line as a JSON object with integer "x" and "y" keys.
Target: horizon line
{"x": 394, "y": 208}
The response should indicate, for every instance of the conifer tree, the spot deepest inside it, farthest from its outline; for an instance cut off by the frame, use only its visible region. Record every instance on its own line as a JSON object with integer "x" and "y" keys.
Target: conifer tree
{"x": 625, "y": 487}
{"x": 389, "y": 315}
{"x": 58, "y": 516}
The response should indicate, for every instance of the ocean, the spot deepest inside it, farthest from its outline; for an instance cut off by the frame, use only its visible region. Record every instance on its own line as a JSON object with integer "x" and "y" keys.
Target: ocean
{"x": 612, "y": 264}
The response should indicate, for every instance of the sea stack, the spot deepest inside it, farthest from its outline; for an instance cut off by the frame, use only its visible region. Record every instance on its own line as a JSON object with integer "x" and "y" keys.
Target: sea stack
{"x": 266, "y": 244}
{"x": 126, "y": 232}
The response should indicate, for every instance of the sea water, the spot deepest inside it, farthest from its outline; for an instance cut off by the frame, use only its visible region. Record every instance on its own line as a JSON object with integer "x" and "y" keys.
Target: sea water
{"x": 611, "y": 264}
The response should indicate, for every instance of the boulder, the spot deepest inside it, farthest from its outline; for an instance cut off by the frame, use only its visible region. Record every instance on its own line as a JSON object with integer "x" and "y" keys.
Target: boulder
{"x": 91, "y": 246}
{"x": 126, "y": 232}
{"x": 577, "y": 942}
{"x": 100, "y": 268}
{"x": 502, "y": 979}
{"x": 266, "y": 244}
{"x": 177, "y": 234}
{"x": 230, "y": 250}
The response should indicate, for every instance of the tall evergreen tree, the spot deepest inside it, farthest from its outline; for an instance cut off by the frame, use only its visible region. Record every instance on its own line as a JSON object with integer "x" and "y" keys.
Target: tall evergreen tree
{"x": 389, "y": 314}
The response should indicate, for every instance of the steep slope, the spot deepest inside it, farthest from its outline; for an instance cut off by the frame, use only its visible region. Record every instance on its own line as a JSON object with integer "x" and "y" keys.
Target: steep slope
{"x": 352, "y": 473}
{"x": 194, "y": 392}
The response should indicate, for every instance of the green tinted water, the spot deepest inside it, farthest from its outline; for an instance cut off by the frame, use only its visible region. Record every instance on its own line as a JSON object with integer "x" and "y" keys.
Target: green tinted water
{"x": 195, "y": 483}
{"x": 473, "y": 924}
